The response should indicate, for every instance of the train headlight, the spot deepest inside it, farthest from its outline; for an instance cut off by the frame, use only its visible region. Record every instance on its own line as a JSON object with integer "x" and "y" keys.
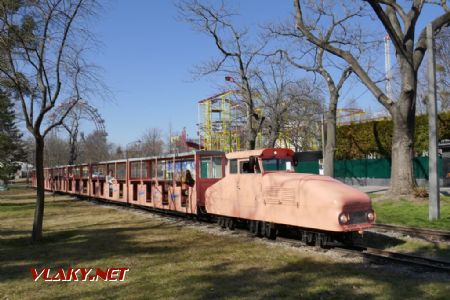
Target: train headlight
{"x": 343, "y": 218}
{"x": 370, "y": 216}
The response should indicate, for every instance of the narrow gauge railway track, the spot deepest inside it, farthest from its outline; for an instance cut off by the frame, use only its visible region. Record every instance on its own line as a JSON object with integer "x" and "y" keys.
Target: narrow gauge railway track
{"x": 428, "y": 234}
{"x": 380, "y": 255}
{"x": 376, "y": 255}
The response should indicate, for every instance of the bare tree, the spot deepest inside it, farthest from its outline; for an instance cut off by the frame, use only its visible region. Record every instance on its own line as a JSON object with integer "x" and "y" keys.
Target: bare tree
{"x": 150, "y": 144}
{"x": 72, "y": 125}
{"x": 290, "y": 109}
{"x": 401, "y": 25}
{"x": 314, "y": 59}
{"x": 273, "y": 85}
{"x": 56, "y": 150}
{"x": 117, "y": 152}
{"x": 42, "y": 48}
{"x": 94, "y": 147}
{"x": 304, "y": 125}
{"x": 319, "y": 67}
{"x": 443, "y": 67}
{"x": 237, "y": 57}
{"x": 334, "y": 88}
{"x": 82, "y": 111}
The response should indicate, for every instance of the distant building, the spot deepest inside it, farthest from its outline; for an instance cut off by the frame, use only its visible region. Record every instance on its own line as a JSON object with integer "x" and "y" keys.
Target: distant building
{"x": 24, "y": 170}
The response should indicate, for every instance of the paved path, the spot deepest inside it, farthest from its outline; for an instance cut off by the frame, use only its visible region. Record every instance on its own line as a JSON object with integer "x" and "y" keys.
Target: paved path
{"x": 371, "y": 188}
{"x": 382, "y": 189}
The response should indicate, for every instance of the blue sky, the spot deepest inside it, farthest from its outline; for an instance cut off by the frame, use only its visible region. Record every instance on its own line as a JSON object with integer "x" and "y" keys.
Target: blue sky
{"x": 147, "y": 55}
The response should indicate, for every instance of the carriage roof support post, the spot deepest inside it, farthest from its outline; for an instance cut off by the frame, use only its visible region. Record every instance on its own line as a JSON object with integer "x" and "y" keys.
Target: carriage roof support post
{"x": 433, "y": 179}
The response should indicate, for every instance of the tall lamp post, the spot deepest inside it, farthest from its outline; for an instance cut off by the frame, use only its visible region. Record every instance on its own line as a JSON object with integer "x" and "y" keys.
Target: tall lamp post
{"x": 433, "y": 178}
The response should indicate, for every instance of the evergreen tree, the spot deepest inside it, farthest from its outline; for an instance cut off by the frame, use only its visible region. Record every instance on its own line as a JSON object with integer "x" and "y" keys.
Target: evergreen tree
{"x": 11, "y": 145}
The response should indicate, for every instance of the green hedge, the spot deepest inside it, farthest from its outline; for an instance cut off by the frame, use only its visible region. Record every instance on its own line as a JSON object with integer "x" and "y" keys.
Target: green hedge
{"x": 361, "y": 139}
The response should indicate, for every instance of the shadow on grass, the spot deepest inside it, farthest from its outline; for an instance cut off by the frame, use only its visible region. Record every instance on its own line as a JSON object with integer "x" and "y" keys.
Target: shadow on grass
{"x": 80, "y": 247}
{"x": 380, "y": 240}
{"x": 167, "y": 261}
{"x": 304, "y": 279}
{"x": 435, "y": 250}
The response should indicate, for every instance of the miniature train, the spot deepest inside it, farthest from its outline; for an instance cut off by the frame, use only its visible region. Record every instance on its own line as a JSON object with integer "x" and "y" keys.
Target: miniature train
{"x": 258, "y": 188}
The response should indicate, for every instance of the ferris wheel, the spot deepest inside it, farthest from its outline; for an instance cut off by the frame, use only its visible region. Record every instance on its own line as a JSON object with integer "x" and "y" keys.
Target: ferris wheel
{"x": 78, "y": 109}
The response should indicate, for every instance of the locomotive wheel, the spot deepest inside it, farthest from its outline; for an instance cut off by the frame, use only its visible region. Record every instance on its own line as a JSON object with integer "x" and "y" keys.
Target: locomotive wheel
{"x": 222, "y": 222}
{"x": 263, "y": 228}
{"x": 250, "y": 226}
{"x": 320, "y": 240}
{"x": 258, "y": 229}
{"x": 270, "y": 231}
{"x": 255, "y": 228}
{"x": 230, "y": 223}
{"x": 309, "y": 237}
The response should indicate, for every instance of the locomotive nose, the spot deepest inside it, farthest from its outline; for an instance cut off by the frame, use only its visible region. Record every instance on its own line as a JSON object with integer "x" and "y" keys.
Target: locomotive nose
{"x": 341, "y": 207}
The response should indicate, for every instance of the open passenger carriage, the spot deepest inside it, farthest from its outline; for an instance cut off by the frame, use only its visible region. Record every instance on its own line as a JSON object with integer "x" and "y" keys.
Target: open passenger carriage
{"x": 174, "y": 182}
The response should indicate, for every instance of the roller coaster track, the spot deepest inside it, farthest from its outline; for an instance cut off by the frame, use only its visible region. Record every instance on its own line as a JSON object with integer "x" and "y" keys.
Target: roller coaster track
{"x": 428, "y": 234}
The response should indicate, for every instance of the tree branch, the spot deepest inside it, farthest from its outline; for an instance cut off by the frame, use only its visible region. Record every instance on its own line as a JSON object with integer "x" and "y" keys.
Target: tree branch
{"x": 347, "y": 56}
{"x": 421, "y": 46}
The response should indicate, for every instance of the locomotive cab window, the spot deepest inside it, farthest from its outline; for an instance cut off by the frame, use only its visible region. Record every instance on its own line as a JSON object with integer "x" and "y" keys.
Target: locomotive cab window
{"x": 233, "y": 166}
{"x": 211, "y": 167}
{"x": 249, "y": 166}
{"x": 244, "y": 167}
{"x": 277, "y": 164}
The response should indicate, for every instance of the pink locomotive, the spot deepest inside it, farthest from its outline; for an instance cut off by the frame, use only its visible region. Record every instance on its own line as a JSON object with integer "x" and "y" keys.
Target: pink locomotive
{"x": 255, "y": 188}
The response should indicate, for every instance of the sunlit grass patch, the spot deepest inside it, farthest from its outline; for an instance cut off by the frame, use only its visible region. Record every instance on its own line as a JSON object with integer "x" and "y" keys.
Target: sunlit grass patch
{"x": 411, "y": 213}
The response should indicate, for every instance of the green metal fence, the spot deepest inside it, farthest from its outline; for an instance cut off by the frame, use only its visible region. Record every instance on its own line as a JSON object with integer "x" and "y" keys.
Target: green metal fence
{"x": 368, "y": 168}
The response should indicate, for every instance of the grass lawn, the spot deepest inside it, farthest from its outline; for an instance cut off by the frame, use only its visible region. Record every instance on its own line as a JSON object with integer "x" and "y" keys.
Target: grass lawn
{"x": 411, "y": 213}
{"x": 169, "y": 260}
{"x": 414, "y": 214}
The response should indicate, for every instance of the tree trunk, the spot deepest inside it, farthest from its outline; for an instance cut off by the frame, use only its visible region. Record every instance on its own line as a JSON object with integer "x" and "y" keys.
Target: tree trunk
{"x": 40, "y": 191}
{"x": 403, "y": 117}
{"x": 250, "y": 144}
{"x": 274, "y": 134}
{"x": 330, "y": 140}
{"x": 251, "y": 133}
{"x": 402, "y": 174}
{"x": 73, "y": 147}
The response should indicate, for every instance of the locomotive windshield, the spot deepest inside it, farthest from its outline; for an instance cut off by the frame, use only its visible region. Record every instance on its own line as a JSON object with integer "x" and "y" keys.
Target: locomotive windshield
{"x": 277, "y": 164}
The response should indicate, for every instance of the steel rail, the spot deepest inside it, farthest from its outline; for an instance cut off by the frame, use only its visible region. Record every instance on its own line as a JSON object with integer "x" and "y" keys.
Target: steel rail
{"x": 429, "y": 234}
{"x": 396, "y": 257}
